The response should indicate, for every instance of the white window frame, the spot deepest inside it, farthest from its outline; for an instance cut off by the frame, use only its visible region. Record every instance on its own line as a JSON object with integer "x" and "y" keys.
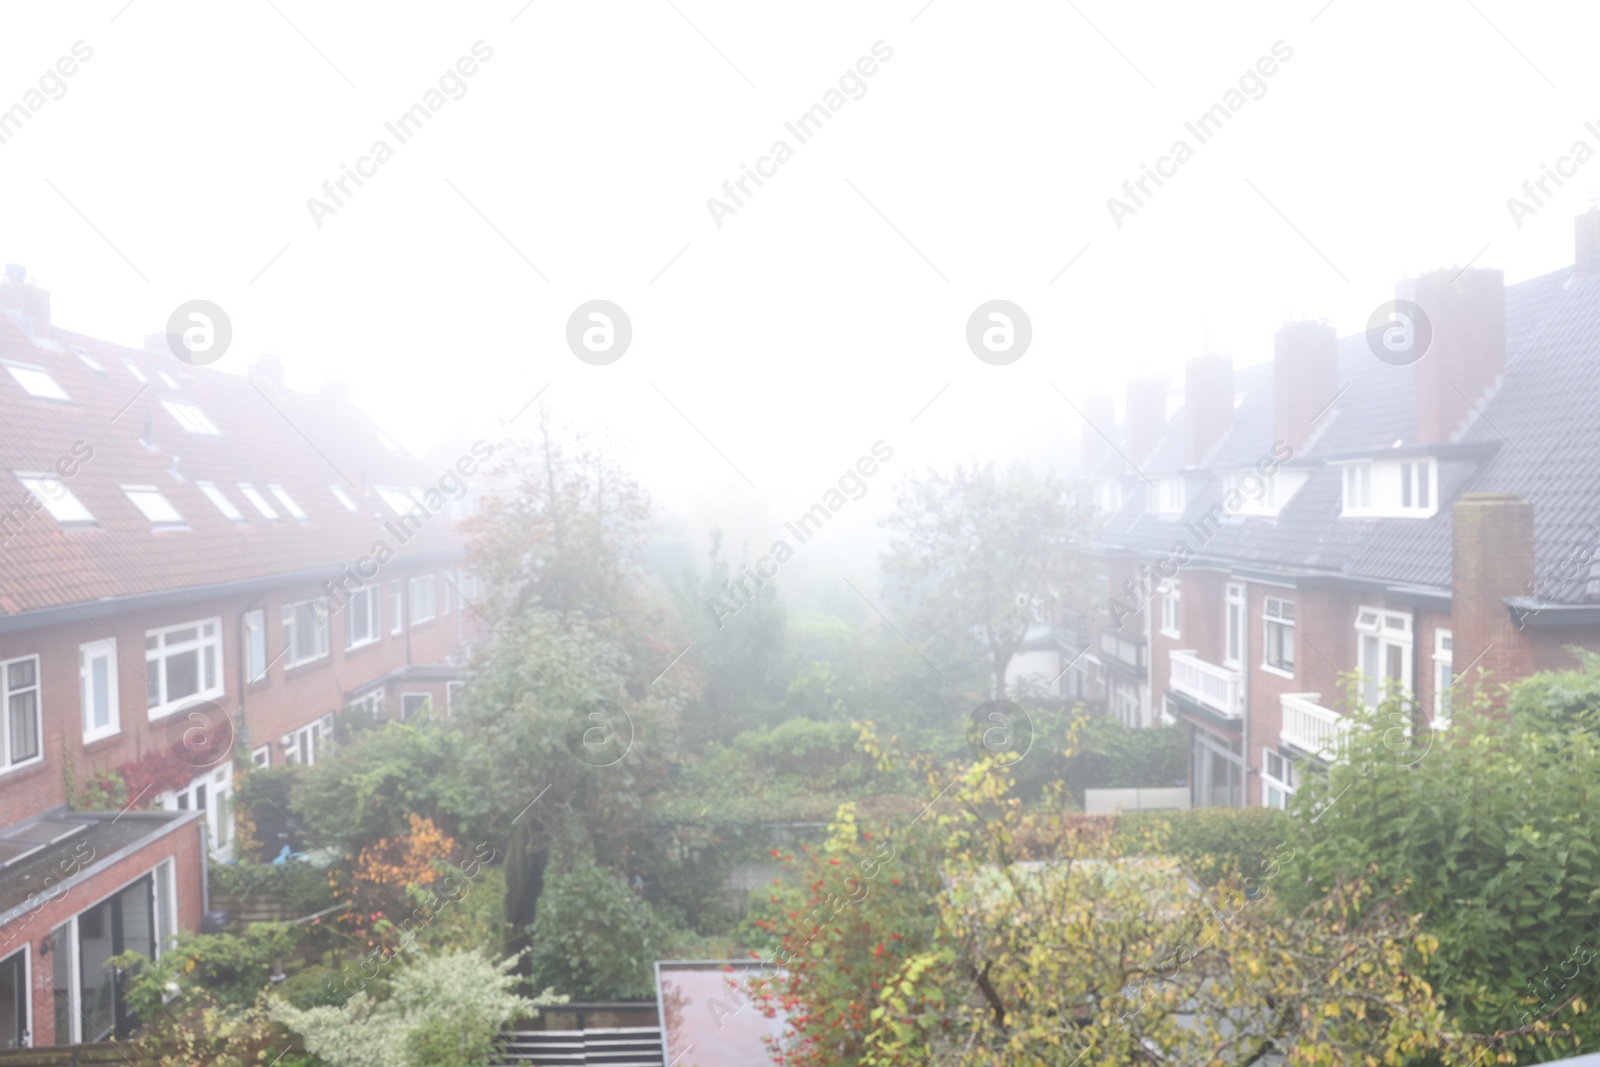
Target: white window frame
{"x": 187, "y": 414}
{"x": 153, "y": 504}
{"x": 1171, "y": 496}
{"x": 1108, "y": 495}
{"x": 318, "y": 606}
{"x": 138, "y": 374}
{"x": 1377, "y": 631}
{"x": 1171, "y": 608}
{"x": 1391, "y": 488}
{"x": 1273, "y": 617}
{"x": 88, "y": 653}
{"x": 1443, "y": 677}
{"x": 362, "y": 606}
{"x": 397, "y": 607}
{"x": 261, "y": 757}
{"x": 155, "y": 660}
{"x": 259, "y": 502}
{"x": 1282, "y": 784}
{"x": 1234, "y": 626}
{"x": 51, "y": 490}
{"x": 372, "y": 701}
{"x": 88, "y": 360}
{"x": 429, "y": 585}
{"x": 288, "y": 502}
{"x": 343, "y": 497}
{"x": 213, "y": 492}
{"x": 255, "y": 633}
{"x": 7, "y": 760}
{"x": 307, "y": 744}
{"x": 43, "y": 387}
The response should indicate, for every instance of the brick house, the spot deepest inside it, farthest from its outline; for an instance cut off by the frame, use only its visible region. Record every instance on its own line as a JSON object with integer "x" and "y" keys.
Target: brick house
{"x": 1273, "y": 530}
{"x": 193, "y": 564}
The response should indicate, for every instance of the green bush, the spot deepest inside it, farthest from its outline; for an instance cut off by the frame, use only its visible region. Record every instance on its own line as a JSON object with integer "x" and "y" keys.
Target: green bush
{"x": 1211, "y": 842}
{"x": 303, "y": 886}
{"x": 593, "y": 937}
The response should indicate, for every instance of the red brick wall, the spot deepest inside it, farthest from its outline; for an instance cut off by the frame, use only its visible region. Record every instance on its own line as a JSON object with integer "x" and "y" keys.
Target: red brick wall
{"x": 182, "y": 844}
{"x": 1493, "y": 559}
{"x": 285, "y": 700}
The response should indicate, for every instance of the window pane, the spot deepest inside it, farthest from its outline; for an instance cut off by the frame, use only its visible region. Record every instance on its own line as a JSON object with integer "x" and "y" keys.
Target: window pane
{"x": 1392, "y": 663}
{"x": 22, "y": 674}
{"x": 99, "y": 692}
{"x": 1405, "y": 485}
{"x": 183, "y": 674}
{"x": 24, "y": 725}
{"x": 61, "y": 981}
{"x": 152, "y": 683}
{"x": 1424, "y": 476}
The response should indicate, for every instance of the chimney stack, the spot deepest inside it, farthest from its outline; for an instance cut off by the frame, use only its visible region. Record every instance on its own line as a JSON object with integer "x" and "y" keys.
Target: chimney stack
{"x": 1492, "y": 558}
{"x": 1145, "y": 419}
{"x": 269, "y": 368}
{"x": 1208, "y": 404}
{"x": 1099, "y": 426}
{"x": 22, "y": 296}
{"x": 1467, "y": 310}
{"x": 1305, "y": 379}
{"x": 1586, "y": 234}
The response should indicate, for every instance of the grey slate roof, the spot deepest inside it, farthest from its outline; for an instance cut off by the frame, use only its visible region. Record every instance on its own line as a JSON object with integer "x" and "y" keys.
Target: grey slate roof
{"x": 1540, "y": 425}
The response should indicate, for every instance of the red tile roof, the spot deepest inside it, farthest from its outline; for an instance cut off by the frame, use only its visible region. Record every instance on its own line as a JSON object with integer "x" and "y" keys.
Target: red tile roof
{"x": 305, "y": 443}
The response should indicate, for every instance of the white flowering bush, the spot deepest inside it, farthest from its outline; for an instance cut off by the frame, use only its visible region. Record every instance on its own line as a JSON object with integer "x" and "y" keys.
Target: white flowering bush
{"x": 442, "y": 1011}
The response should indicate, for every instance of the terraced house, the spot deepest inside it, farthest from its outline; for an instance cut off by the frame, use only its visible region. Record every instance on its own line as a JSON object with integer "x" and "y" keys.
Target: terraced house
{"x": 169, "y": 538}
{"x": 1430, "y": 524}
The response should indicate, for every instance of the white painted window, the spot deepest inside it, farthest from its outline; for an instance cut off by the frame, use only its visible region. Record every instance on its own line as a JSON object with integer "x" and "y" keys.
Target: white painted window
{"x": 97, "y": 680}
{"x": 1233, "y": 626}
{"x": 261, "y": 757}
{"x": 154, "y": 506}
{"x": 1277, "y": 779}
{"x": 220, "y": 499}
{"x": 210, "y": 792}
{"x": 182, "y": 663}
{"x": 1171, "y": 609}
{"x": 1170, "y": 496}
{"x": 1277, "y": 635}
{"x": 361, "y": 617}
{"x": 305, "y": 631}
{"x": 166, "y": 379}
{"x": 342, "y": 497}
{"x": 1384, "y": 652}
{"x": 1108, "y": 495}
{"x": 1261, "y": 494}
{"x": 370, "y": 702}
{"x": 1443, "y": 677}
{"x": 57, "y": 499}
{"x": 37, "y": 381}
{"x": 287, "y": 501}
{"x": 191, "y": 418}
{"x": 166, "y": 906}
{"x": 399, "y": 500}
{"x": 19, "y": 691}
{"x": 1392, "y": 488}
{"x": 309, "y": 743}
{"x": 255, "y": 645}
{"x": 422, "y": 598}
{"x": 397, "y": 607}
{"x": 257, "y": 501}
{"x": 133, "y": 369}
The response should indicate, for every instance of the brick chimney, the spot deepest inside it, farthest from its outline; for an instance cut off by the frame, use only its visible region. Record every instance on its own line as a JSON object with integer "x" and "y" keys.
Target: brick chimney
{"x": 1586, "y": 234}
{"x": 269, "y": 368}
{"x": 1305, "y": 379}
{"x": 20, "y": 295}
{"x": 1099, "y": 425}
{"x": 1468, "y": 352}
{"x": 1145, "y": 419}
{"x": 1492, "y": 559}
{"x": 1207, "y": 404}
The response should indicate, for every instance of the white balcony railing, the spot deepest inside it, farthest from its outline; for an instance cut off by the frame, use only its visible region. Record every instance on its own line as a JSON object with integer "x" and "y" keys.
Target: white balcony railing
{"x": 1218, "y": 688}
{"x": 1310, "y": 727}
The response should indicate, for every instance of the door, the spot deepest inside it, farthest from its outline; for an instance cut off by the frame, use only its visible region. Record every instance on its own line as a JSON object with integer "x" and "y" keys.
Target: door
{"x": 14, "y": 1001}
{"x": 121, "y": 923}
{"x": 210, "y": 792}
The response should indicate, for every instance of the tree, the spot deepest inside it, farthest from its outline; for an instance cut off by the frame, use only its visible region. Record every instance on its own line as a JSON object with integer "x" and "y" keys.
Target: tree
{"x": 1488, "y": 831}
{"x": 981, "y": 554}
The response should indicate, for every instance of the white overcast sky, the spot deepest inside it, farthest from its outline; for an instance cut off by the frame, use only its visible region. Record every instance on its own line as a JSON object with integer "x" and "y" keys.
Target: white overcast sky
{"x": 828, "y": 311}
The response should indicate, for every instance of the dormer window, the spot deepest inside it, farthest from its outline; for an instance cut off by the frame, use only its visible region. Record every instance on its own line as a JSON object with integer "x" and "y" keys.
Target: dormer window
{"x": 1391, "y": 488}
{"x": 1108, "y": 496}
{"x": 1170, "y": 496}
{"x": 1259, "y": 493}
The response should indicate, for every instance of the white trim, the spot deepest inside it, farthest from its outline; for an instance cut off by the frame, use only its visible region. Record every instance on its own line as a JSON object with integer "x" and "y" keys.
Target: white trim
{"x": 87, "y": 653}
{"x": 1443, "y": 656}
{"x": 171, "y": 704}
{"x": 319, "y": 631}
{"x": 6, "y": 763}
{"x": 1270, "y": 618}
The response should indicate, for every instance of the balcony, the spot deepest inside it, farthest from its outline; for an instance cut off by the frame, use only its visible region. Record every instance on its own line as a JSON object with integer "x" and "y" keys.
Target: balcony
{"x": 1119, "y": 651}
{"x": 1217, "y": 688}
{"x": 1310, "y": 727}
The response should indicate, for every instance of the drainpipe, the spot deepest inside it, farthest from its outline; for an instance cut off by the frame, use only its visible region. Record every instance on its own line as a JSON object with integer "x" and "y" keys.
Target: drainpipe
{"x": 1245, "y": 662}
{"x": 1149, "y": 648}
{"x": 243, "y": 733}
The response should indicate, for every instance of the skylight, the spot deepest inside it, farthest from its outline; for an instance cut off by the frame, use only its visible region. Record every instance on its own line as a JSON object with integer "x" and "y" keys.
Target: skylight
{"x": 166, "y": 379}
{"x": 36, "y": 381}
{"x": 399, "y": 500}
{"x": 133, "y": 369}
{"x": 157, "y": 508}
{"x": 223, "y": 504}
{"x": 57, "y": 499}
{"x": 88, "y": 360}
{"x": 191, "y": 418}
{"x": 287, "y": 501}
{"x": 343, "y": 497}
{"x": 257, "y": 499}
{"x": 387, "y": 442}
